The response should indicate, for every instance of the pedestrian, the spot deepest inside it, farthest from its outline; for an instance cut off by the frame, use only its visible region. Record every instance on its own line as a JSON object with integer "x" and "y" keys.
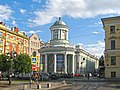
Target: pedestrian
{"x": 9, "y": 79}
{"x": 88, "y": 76}
{"x": 98, "y": 76}
{"x": 0, "y": 77}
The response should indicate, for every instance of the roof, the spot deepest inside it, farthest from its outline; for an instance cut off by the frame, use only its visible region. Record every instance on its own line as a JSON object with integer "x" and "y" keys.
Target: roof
{"x": 59, "y": 24}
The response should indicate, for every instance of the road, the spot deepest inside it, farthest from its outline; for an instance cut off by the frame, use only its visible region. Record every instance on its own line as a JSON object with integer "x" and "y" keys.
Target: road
{"x": 90, "y": 86}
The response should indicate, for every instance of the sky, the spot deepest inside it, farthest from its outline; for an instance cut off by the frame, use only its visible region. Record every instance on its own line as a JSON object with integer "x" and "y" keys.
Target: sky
{"x": 83, "y": 17}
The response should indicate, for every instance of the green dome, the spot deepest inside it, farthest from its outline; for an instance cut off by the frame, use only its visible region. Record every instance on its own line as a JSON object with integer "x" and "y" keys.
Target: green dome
{"x": 59, "y": 24}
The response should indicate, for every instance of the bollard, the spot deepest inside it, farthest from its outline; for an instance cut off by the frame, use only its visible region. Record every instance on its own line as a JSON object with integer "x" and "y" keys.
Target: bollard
{"x": 39, "y": 86}
{"x": 25, "y": 87}
{"x": 63, "y": 82}
{"x": 48, "y": 85}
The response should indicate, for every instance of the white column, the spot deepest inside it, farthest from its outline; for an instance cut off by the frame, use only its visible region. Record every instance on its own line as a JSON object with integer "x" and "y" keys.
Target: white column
{"x": 67, "y": 35}
{"x": 73, "y": 66}
{"x": 78, "y": 63}
{"x": 55, "y": 63}
{"x": 45, "y": 62}
{"x": 52, "y": 35}
{"x": 65, "y": 63}
{"x": 58, "y": 34}
{"x": 41, "y": 59}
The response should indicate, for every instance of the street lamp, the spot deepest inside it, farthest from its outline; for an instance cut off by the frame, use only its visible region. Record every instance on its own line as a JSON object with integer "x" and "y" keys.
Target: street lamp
{"x": 11, "y": 56}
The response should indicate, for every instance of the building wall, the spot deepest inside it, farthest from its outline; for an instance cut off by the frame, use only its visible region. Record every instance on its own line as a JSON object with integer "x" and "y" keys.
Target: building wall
{"x": 109, "y": 51}
{"x": 85, "y": 61}
{"x": 12, "y": 39}
{"x": 34, "y": 45}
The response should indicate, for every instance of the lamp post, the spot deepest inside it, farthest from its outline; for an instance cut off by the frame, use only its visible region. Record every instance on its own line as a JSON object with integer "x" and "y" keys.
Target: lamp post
{"x": 10, "y": 74}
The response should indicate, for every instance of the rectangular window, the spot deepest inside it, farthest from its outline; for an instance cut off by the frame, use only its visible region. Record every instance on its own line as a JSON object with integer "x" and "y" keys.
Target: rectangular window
{"x": 1, "y": 42}
{"x": 0, "y": 34}
{"x": 14, "y": 38}
{"x": 7, "y": 44}
{"x": 112, "y": 29}
{"x": 113, "y": 60}
{"x": 14, "y": 45}
{"x": 0, "y": 50}
{"x": 112, "y": 44}
{"x": 113, "y": 74}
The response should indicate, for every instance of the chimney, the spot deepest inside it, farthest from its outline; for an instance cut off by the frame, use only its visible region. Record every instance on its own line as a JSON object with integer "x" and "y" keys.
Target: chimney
{"x": 16, "y": 29}
{"x": 1, "y": 23}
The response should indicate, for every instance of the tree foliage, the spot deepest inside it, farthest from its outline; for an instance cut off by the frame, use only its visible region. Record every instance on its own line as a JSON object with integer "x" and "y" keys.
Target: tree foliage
{"x": 5, "y": 63}
{"x": 22, "y": 64}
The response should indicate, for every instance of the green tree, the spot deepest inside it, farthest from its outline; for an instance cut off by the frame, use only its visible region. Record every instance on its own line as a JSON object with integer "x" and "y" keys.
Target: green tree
{"x": 22, "y": 64}
{"x": 5, "y": 63}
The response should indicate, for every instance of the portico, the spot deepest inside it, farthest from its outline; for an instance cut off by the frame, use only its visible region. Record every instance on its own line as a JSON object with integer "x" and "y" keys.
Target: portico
{"x": 58, "y": 62}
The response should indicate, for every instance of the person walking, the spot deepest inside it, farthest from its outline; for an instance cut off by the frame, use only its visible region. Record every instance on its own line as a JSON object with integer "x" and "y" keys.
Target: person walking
{"x": 9, "y": 79}
{"x": 88, "y": 76}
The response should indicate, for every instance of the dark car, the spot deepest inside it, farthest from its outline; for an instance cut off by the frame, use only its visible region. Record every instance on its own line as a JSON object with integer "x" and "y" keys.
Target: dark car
{"x": 54, "y": 76}
{"x": 44, "y": 76}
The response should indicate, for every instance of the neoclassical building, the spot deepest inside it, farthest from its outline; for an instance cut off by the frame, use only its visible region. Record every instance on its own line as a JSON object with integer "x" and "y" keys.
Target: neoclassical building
{"x": 58, "y": 55}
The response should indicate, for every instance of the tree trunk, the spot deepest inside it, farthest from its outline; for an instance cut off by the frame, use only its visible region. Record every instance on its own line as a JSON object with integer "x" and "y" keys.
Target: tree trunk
{"x": 22, "y": 76}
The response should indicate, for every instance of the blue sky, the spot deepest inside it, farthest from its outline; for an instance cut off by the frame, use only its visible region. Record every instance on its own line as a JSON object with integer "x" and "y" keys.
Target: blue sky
{"x": 82, "y": 16}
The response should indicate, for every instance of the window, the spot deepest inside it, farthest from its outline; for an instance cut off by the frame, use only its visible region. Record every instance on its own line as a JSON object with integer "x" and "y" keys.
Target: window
{"x": 0, "y": 50}
{"x": 0, "y": 34}
{"x": 55, "y": 34}
{"x": 83, "y": 58}
{"x": 24, "y": 48}
{"x": 7, "y": 44}
{"x": 113, "y": 60}
{"x": 7, "y": 50}
{"x": 20, "y": 46}
{"x": 113, "y": 74}
{"x": 14, "y": 38}
{"x": 64, "y": 35}
{"x": 31, "y": 43}
{"x": 25, "y": 42}
{"x": 14, "y": 45}
{"x": 112, "y": 44}
{"x": 8, "y": 36}
{"x": 1, "y": 41}
{"x": 35, "y": 38}
{"x": 112, "y": 29}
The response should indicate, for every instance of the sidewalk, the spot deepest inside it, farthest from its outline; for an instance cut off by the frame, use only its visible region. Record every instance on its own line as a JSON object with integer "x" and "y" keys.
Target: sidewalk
{"x": 19, "y": 85}
{"x": 92, "y": 79}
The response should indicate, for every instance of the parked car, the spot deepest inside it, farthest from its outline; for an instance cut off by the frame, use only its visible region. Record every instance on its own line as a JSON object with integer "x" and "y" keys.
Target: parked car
{"x": 53, "y": 76}
{"x": 44, "y": 76}
{"x": 77, "y": 75}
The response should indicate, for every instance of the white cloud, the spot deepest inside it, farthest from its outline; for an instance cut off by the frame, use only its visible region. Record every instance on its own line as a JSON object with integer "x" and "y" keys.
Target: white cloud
{"x": 22, "y": 11}
{"x": 14, "y": 23}
{"x": 15, "y": 3}
{"x": 96, "y": 49}
{"x": 33, "y": 31}
{"x": 98, "y": 23}
{"x": 39, "y": 1}
{"x": 5, "y": 12}
{"x": 75, "y": 9}
{"x": 95, "y": 32}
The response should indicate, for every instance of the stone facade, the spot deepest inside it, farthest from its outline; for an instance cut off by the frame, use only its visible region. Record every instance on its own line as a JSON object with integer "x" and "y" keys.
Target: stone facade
{"x": 112, "y": 46}
{"x": 34, "y": 45}
{"x": 58, "y": 55}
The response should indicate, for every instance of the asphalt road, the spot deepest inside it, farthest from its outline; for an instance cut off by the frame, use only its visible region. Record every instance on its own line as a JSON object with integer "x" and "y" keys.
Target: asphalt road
{"x": 90, "y": 86}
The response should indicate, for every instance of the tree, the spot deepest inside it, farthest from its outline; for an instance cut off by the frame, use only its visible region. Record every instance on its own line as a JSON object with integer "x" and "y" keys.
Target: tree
{"x": 22, "y": 64}
{"x": 5, "y": 63}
